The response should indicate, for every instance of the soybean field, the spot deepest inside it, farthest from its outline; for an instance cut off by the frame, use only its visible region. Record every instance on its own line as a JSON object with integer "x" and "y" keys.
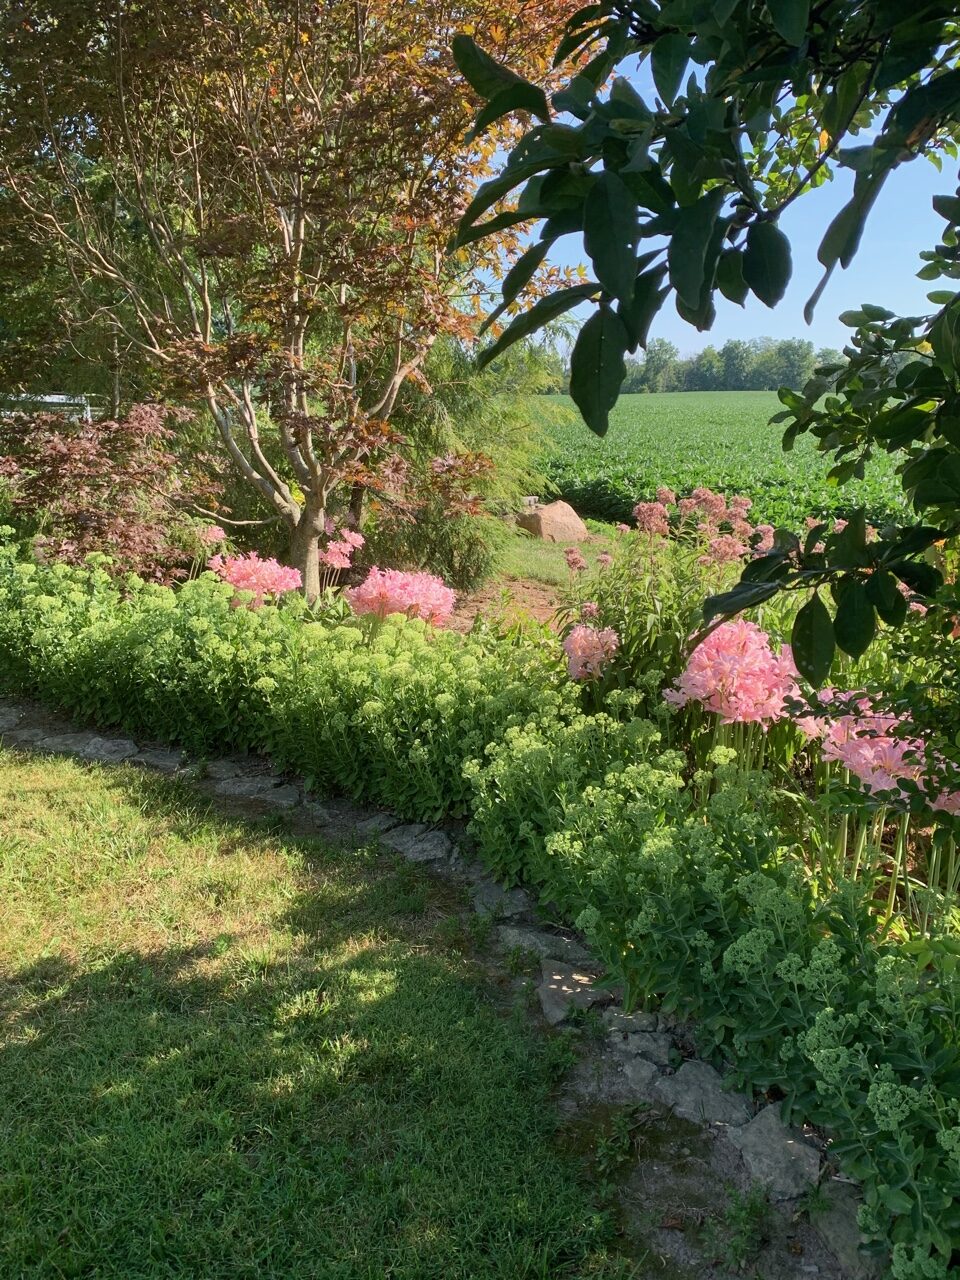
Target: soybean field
{"x": 721, "y": 439}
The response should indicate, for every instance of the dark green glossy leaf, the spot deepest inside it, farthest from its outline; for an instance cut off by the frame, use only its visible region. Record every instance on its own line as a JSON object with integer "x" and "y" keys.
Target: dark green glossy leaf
{"x": 541, "y": 313}
{"x": 745, "y": 595}
{"x": 688, "y": 246}
{"x": 855, "y": 623}
{"x": 483, "y": 73}
{"x": 516, "y": 97}
{"x": 766, "y": 262}
{"x": 730, "y": 279}
{"x": 597, "y": 368}
{"x": 648, "y": 296}
{"x": 517, "y": 278}
{"x": 790, "y": 18}
{"x": 610, "y": 234}
{"x": 886, "y": 598}
{"x": 812, "y": 641}
{"x": 668, "y": 61}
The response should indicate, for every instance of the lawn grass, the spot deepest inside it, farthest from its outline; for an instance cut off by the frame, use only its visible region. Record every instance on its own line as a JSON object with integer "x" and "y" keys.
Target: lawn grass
{"x": 228, "y": 1053}
{"x": 523, "y": 557}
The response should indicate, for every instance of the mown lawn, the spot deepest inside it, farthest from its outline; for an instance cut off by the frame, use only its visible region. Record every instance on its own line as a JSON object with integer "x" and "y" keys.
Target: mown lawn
{"x": 227, "y": 1053}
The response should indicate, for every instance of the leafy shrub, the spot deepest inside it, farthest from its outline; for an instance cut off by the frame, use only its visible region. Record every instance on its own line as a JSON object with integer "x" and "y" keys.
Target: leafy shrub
{"x": 392, "y": 717}
{"x": 385, "y": 712}
{"x": 705, "y": 910}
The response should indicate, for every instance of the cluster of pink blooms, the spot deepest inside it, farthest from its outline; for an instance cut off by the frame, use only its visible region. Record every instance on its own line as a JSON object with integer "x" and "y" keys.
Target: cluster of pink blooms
{"x": 723, "y": 526}
{"x": 260, "y": 577}
{"x": 735, "y": 673}
{"x": 338, "y": 553}
{"x": 576, "y": 561}
{"x": 418, "y": 595}
{"x": 874, "y": 746}
{"x": 588, "y": 650}
{"x": 212, "y": 535}
{"x": 653, "y": 518}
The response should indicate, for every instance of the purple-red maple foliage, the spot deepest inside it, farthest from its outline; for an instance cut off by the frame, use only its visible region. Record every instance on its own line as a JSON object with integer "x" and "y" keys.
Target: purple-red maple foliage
{"x": 109, "y": 486}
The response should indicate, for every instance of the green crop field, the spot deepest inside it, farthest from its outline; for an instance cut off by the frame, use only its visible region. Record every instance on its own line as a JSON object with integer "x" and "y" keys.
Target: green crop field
{"x": 721, "y": 439}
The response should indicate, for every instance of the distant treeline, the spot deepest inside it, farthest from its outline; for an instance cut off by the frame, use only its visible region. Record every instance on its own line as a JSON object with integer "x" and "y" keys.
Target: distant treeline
{"x": 762, "y": 364}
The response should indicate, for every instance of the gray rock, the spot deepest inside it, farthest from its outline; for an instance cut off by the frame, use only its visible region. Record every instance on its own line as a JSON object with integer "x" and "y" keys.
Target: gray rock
{"x": 253, "y": 788}
{"x": 776, "y": 1158}
{"x": 641, "y": 1074}
{"x": 109, "y": 750}
{"x": 416, "y": 842}
{"x": 837, "y": 1227}
{"x": 24, "y": 737}
{"x": 518, "y": 937}
{"x": 565, "y": 987}
{"x": 491, "y": 899}
{"x": 317, "y": 813}
{"x": 67, "y": 744}
{"x": 287, "y": 797}
{"x": 10, "y": 717}
{"x": 160, "y": 761}
{"x": 655, "y": 1046}
{"x": 377, "y": 823}
{"x": 618, "y": 1022}
{"x": 220, "y": 770}
{"x": 696, "y": 1093}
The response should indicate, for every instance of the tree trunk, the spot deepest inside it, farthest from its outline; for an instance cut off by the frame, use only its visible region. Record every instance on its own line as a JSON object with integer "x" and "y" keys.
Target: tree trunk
{"x": 305, "y": 555}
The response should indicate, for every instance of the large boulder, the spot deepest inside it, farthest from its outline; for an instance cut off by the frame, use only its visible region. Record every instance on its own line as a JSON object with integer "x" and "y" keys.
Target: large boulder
{"x": 556, "y": 522}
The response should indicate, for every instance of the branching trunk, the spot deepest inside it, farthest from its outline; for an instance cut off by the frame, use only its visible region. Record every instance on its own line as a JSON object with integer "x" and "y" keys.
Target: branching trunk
{"x": 305, "y": 550}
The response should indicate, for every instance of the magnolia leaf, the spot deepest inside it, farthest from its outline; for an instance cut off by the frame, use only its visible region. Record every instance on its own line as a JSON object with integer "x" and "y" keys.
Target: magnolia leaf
{"x": 610, "y": 233}
{"x": 812, "y": 641}
{"x": 668, "y": 61}
{"x": 597, "y": 369}
{"x": 541, "y": 313}
{"x": 790, "y": 18}
{"x": 766, "y": 262}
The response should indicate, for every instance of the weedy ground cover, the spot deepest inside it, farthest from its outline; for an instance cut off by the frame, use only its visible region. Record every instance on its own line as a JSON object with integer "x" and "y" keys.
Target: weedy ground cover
{"x": 718, "y": 438}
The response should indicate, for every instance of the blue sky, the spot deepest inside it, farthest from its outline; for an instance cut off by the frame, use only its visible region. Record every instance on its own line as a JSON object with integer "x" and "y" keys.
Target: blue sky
{"x": 884, "y": 271}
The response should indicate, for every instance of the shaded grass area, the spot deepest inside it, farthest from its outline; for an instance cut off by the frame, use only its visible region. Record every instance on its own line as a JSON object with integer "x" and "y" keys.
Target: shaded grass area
{"x": 227, "y": 1053}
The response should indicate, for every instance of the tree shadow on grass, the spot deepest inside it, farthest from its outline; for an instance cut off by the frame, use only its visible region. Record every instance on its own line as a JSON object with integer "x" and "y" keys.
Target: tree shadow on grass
{"x": 346, "y": 1105}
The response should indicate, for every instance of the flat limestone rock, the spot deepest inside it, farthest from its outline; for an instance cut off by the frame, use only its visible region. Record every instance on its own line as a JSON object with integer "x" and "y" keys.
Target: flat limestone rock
{"x": 220, "y": 770}
{"x": 640, "y": 1074}
{"x": 619, "y": 1023}
{"x": 565, "y": 987}
{"x": 518, "y": 937}
{"x": 837, "y": 1227}
{"x": 696, "y": 1093}
{"x": 109, "y": 750}
{"x": 253, "y": 788}
{"x": 417, "y": 843}
{"x": 67, "y": 744}
{"x": 556, "y": 522}
{"x": 160, "y": 761}
{"x": 655, "y": 1046}
{"x": 10, "y": 717}
{"x": 776, "y": 1158}
{"x": 24, "y": 737}
{"x": 491, "y": 899}
{"x": 377, "y": 823}
{"x": 287, "y": 797}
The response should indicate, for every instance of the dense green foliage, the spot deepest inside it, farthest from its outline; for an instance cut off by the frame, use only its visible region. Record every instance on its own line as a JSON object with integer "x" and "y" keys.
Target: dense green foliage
{"x": 723, "y": 440}
{"x": 225, "y": 1053}
{"x": 385, "y": 712}
{"x": 706, "y": 909}
{"x": 701, "y": 885}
